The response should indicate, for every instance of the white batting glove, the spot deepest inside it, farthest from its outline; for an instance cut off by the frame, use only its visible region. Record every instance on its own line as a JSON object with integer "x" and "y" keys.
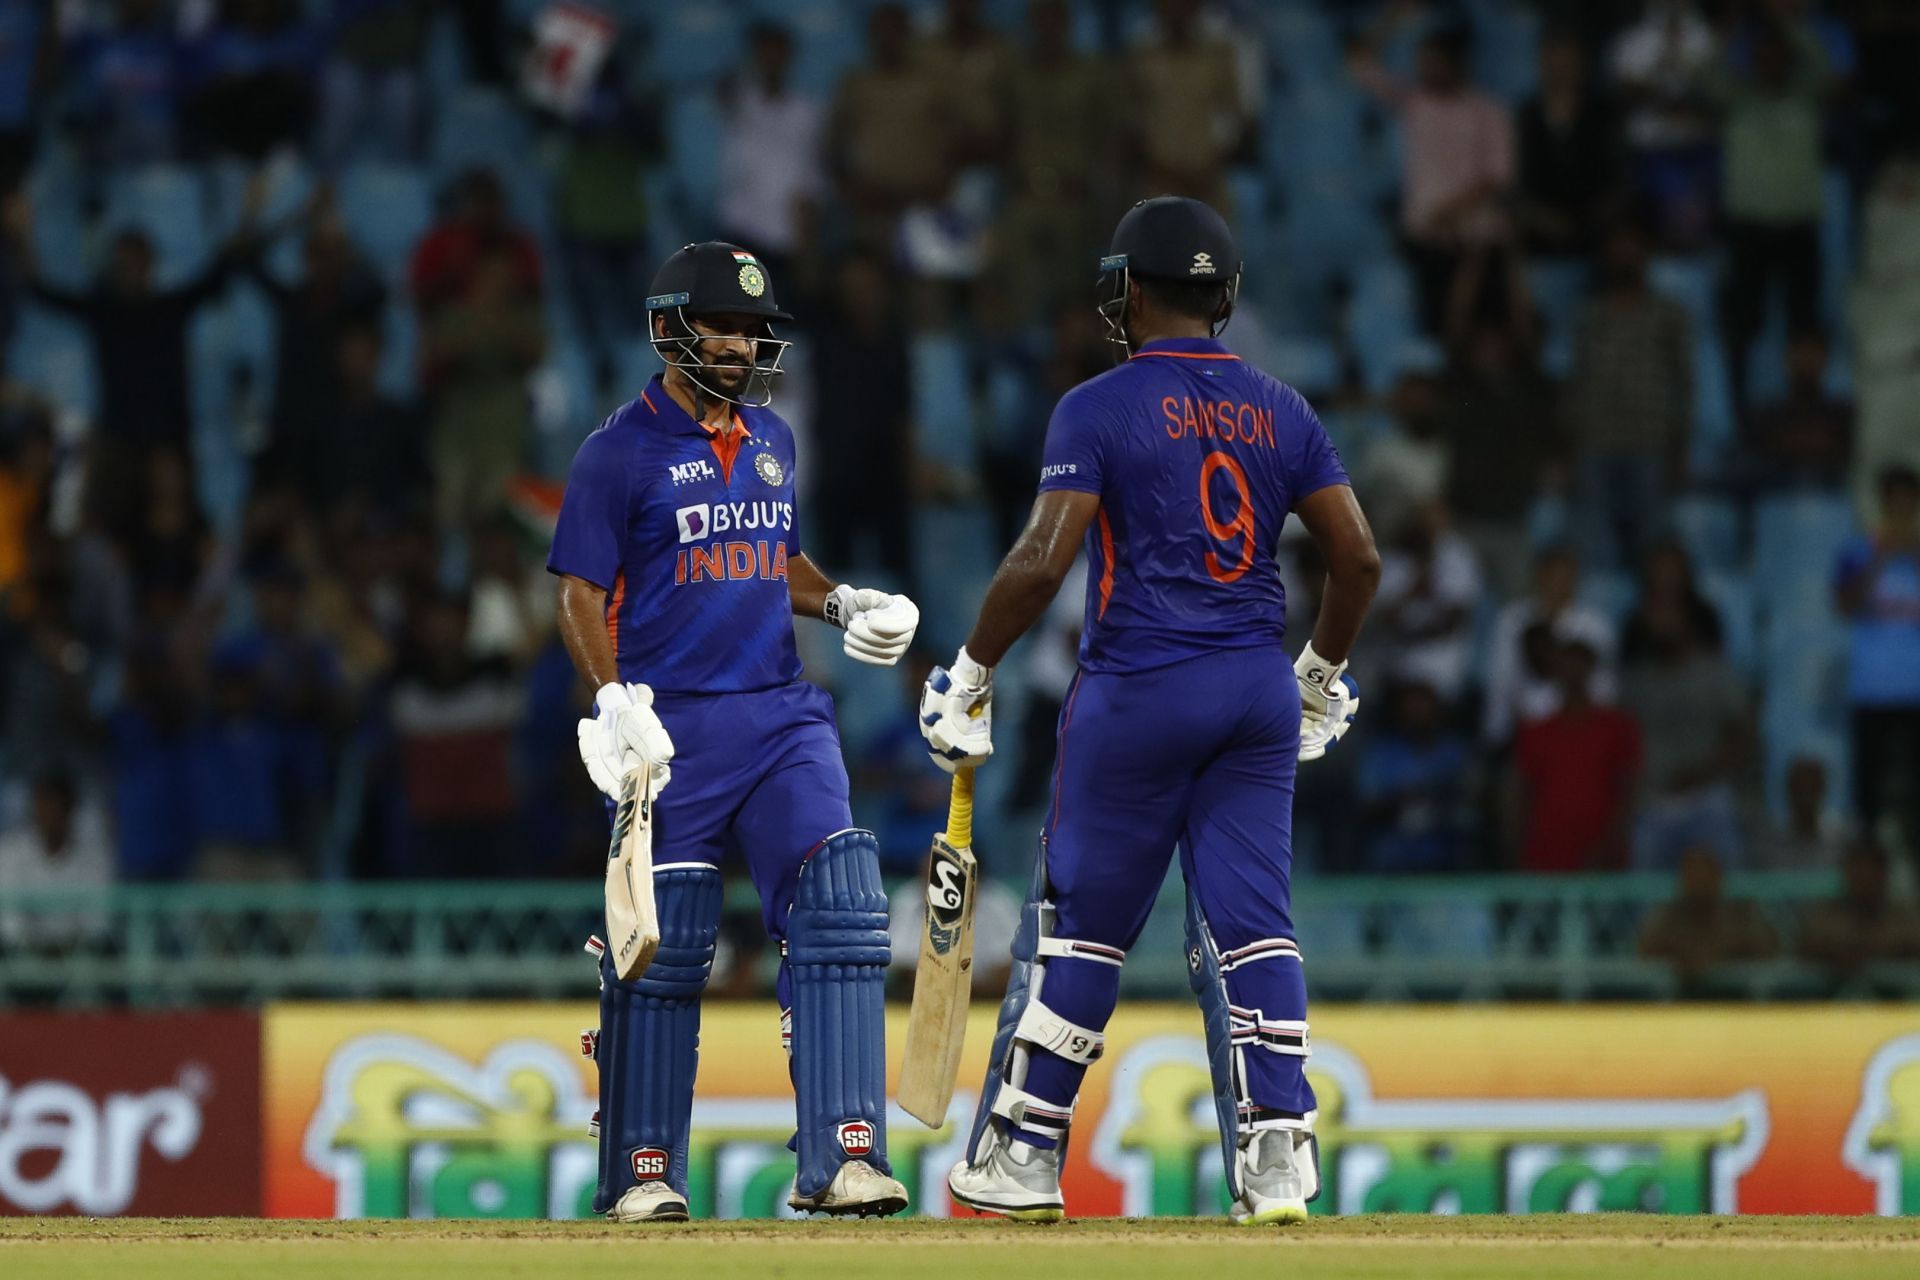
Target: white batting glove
{"x": 956, "y": 714}
{"x": 624, "y": 732}
{"x": 879, "y": 626}
{"x": 1329, "y": 700}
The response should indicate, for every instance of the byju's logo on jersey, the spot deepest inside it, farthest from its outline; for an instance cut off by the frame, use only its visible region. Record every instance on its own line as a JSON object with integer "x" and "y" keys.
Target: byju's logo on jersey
{"x": 688, "y": 472}
{"x": 695, "y": 522}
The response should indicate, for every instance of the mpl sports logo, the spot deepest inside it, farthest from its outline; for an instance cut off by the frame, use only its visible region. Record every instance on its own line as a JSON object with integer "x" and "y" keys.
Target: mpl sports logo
{"x": 689, "y": 472}
{"x": 855, "y": 1138}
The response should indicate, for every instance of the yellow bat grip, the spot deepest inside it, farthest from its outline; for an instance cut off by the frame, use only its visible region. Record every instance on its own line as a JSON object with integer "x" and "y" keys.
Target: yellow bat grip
{"x": 960, "y": 810}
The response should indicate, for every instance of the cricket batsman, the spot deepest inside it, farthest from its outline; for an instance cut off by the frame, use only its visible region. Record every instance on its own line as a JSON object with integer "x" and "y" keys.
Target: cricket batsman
{"x": 678, "y": 554}
{"x": 1175, "y": 470}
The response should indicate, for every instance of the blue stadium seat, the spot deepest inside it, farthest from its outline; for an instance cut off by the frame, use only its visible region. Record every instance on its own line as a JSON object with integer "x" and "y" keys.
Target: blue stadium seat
{"x": 693, "y": 44}
{"x": 1709, "y": 525}
{"x": 1796, "y": 540}
{"x": 1381, "y": 321}
{"x": 479, "y": 127}
{"x": 1303, "y": 41}
{"x": 387, "y": 208}
{"x": 1837, "y": 250}
{"x": 1559, "y": 288}
{"x": 1506, "y": 48}
{"x": 1610, "y": 591}
{"x": 52, "y": 356}
{"x": 1452, "y": 929}
{"x": 942, "y": 400}
{"x": 693, "y": 132}
{"x": 1731, "y": 595}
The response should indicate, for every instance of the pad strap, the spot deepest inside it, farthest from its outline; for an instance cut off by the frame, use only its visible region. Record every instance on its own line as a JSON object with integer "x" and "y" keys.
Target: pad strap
{"x": 1045, "y": 1029}
{"x": 1265, "y": 949}
{"x": 1250, "y": 1028}
{"x": 1025, "y": 1111}
{"x": 1097, "y": 952}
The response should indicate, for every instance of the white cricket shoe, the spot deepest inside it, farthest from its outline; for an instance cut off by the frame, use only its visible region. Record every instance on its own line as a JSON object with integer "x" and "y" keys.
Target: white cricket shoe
{"x": 858, "y": 1190}
{"x": 1274, "y": 1178}
{"x": 1016, "y": 1180}
{"x": 649, "y": 1202}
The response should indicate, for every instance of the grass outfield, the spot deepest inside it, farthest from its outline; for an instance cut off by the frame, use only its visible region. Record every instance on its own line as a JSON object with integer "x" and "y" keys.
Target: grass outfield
{"x": 1556, "y": 1247}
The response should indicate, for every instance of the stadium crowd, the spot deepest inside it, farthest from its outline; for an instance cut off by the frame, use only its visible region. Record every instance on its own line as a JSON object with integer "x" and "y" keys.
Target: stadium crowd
{"x": 1613, "y": 309}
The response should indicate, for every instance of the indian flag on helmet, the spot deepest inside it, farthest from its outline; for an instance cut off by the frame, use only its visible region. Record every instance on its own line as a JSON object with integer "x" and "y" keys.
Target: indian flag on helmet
{"x": 741, "y": 255}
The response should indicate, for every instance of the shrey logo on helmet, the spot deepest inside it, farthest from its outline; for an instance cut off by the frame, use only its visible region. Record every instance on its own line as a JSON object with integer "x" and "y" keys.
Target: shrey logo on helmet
{"x": 855, "y": 1137}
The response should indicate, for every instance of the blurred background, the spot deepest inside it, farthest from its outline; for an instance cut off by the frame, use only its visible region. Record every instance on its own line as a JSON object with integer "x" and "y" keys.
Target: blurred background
{"x": 1612, "y": 308}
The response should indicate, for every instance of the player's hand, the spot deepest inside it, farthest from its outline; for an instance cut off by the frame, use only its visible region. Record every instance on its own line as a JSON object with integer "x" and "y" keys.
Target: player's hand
{"x": 956, "y": 714}
{"x": 1329, "y": 700}
{"x": 625, "y": 732}
{"x": 879, "y": 626}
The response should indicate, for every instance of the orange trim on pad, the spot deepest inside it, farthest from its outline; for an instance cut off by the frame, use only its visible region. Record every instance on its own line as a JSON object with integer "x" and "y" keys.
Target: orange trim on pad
{"x": 1106, "y": 564}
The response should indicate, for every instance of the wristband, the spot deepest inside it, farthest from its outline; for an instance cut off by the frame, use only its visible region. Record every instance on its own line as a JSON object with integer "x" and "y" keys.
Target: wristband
{"x": 838, "y": 610}
{"x": 969, "y": 674}
{"x": 1316, "y": 672}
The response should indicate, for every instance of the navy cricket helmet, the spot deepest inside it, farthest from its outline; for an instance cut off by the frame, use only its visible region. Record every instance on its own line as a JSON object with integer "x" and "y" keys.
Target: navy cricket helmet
{"x": 711, "y": 279}
{"x": 1174, "y": 240}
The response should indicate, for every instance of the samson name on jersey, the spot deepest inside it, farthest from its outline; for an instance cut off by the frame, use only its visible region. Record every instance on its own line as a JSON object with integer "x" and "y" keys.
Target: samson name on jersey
{"x": 689, "y": 532}
{"x": 1197, "y": 457}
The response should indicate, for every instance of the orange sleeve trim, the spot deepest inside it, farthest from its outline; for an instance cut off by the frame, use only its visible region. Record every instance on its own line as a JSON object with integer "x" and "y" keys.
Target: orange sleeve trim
{"x": 1186, "y": 355}
{"x": 647, "y": 401}
{"x": 1106, "y": 564}
{"x": 615, "y": 599}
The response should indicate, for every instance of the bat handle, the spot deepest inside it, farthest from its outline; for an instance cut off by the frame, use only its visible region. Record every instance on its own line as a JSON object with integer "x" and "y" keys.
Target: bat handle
{"x": 960, "y": 809}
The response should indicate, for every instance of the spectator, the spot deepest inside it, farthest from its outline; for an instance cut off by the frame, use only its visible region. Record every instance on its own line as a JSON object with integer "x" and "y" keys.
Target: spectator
{"x": 150, "y": 736}
{"x": 1523, "y": 684}
{"x": 127, "y": 76}
{"x": 139, "y": 331}
{"x": 1657, "y": 63}
{"x": 863, "y": 381}
{"x": 1814, "y": 836}
{"x": 1575, "y": 769}
{"x": 970, "y": 59}
{"x": 1667, "y": 586}
{"x": 1430, "y": 585}
{"x": 893, "y": 776}
{"x": 236, "y": 756}
{"x": 1773, "y": 192}
{"x": 512, "y": 609}
{"x": 453, "y": 722}
{"x": 890, "y": 136}
{"x": 371, "y": 84}
{"x": 601, "y": 209}
{"x": 1569, "y": 155}
{"x": 338, "y": 289}
{"x": 50, "y": 676}
{"x": 1863, "y": 925}
{"x": 482, "y": 346}
{"x": 1694, "y": 717}
{"x": 63, "y": 847}
{"x": 772, "y": 159}
{"x": 1495, "y": 413}
{"x": 1878, "y": 588}
{"x": 1628, "y": 406}
{"x": 1458, "y": 163}
{"x": 1414, "y": 787}
{"x": 1057, "y": 177}
{"x": 1188, "y": 117}
{"x": 378, "y": 450}
{"x": 25, "y": 49}
{"x": 252, "y": 76}
{"x": 26, "y": 476}
{"x": 1803, "y": 440}
{"x": 1406, "y": 468}
{"x": 448, "y": 259}
{"x": 1702, "y": 930}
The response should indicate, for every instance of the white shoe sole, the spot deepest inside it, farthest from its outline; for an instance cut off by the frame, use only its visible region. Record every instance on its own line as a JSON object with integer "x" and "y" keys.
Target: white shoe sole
{"x": 1274, "y": 1215}
{"x": 1036, "y": 1211}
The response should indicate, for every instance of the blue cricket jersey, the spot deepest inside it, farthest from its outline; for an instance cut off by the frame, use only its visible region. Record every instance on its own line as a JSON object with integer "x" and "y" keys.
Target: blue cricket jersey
{"x": 689, "y": 532}
{"x": 1197, "y": 457}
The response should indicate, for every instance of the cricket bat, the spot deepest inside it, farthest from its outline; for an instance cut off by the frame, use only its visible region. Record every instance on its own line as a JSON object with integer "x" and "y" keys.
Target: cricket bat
{"x": 633, "y": 926}
{"x": 943, "y": 980}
